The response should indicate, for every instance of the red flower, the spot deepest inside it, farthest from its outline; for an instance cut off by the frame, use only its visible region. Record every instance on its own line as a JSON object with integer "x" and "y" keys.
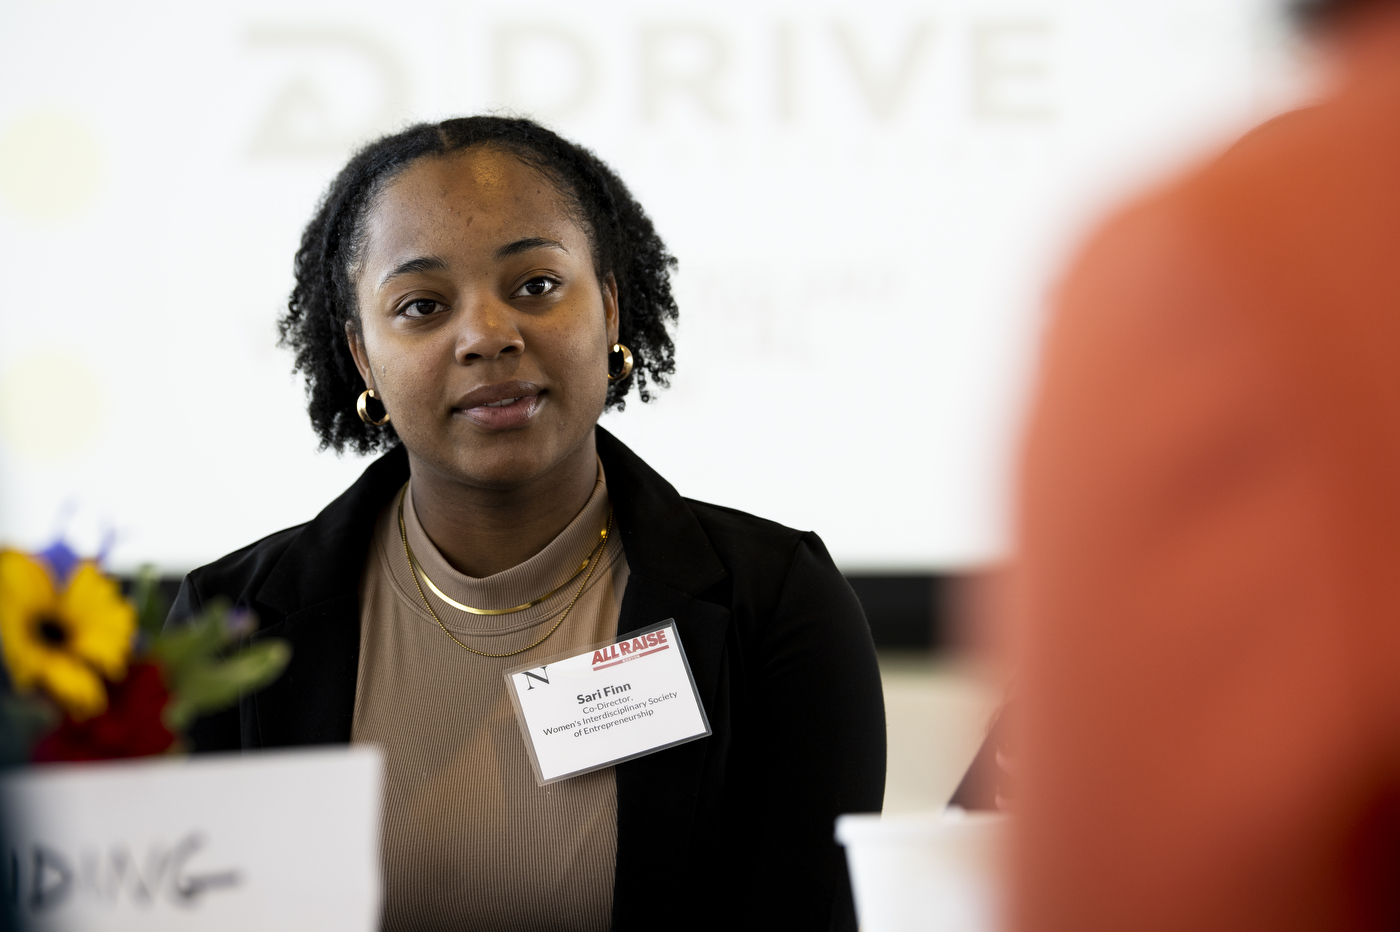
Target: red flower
{"x": 131, "y": 726}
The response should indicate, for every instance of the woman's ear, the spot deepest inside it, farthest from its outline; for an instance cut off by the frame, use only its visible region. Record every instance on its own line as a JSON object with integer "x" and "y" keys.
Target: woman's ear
{"x": 610, "y": 311}
{"x": 357, "y": 350}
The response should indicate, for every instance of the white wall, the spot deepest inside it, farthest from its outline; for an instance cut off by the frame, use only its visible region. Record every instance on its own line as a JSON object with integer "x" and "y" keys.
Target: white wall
{"x": 868, "y": 200}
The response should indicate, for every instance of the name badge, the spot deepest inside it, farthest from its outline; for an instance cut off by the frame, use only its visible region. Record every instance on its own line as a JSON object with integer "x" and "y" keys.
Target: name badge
{"x": 613, "y": 702}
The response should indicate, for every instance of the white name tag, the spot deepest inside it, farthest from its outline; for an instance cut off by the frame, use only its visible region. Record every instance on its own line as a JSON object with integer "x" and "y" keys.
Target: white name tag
{"x": 611, "y": 703}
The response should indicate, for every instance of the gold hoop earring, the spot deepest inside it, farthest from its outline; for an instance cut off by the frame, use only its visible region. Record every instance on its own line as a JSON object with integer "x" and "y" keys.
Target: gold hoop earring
{"x": 626, "y": 363}
{"x": 362, "y": 409}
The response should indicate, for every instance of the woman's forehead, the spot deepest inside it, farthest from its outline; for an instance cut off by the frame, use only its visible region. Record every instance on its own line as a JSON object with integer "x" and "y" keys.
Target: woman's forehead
{"x": 480, "y": 177}
{"x": 468, "y": 198}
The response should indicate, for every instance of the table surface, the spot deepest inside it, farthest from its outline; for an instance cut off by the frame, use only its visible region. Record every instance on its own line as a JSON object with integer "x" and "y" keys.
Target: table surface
{"x": 936, "y": 710}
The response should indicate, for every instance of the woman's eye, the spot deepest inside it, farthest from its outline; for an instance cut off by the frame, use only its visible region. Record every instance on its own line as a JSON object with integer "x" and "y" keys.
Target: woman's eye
{"x": 538, "y": 286}
{"x": 420, "y": 308}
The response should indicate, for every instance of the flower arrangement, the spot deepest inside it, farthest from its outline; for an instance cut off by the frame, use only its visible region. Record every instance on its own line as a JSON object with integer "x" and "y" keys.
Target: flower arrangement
{"x": 92, "y": 675}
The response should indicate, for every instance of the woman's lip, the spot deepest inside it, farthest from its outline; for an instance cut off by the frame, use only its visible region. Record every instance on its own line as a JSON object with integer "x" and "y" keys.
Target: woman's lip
{"x": 503, "y": 417}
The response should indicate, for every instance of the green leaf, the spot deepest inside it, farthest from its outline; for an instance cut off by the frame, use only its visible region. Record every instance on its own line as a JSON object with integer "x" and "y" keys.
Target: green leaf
{"x": 23, "y": 720}
{"x": 202, "y": 687}
{"x": 151, "y": 607}
{"x": 178, "y": 715}
{"x": 196, "y": 642}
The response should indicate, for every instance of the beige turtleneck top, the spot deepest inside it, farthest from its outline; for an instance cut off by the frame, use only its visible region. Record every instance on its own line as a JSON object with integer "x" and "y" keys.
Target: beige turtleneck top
{"x": 469, "y": 840}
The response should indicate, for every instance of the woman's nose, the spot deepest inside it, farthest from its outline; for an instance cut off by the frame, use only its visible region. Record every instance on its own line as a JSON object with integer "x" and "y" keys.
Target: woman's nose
{"x": 487, "y": 332}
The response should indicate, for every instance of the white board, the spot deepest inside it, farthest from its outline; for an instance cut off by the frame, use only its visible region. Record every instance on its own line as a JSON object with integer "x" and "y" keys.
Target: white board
{"x": 868, "y": 198}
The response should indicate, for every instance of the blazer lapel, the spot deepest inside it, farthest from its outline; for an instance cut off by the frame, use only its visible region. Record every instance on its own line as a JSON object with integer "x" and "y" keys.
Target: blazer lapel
{"x": 311, "y": 599}
{"x": 672, "y": 564}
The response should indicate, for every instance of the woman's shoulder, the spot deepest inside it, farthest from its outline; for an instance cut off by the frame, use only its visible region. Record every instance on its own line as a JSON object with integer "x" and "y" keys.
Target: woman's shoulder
{"x": 781, "y": 583}
{"x": 337, "y": 537}
{"x": 245, "y": 568}
{"x": 736, "y": 528}
{"x": 754, "y": 546}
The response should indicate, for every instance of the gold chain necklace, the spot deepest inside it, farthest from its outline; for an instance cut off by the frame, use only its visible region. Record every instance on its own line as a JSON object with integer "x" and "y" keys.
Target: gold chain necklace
{"x": 414, "y": 571}
{"x": 432, "y": 586}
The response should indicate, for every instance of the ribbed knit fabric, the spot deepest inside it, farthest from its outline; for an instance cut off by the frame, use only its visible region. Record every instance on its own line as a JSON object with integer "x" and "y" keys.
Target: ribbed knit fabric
{"x": 470, "y": 841}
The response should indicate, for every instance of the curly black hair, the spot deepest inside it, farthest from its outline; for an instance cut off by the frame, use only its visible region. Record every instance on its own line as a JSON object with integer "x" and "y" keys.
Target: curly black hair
{"x": 624, "y": 242}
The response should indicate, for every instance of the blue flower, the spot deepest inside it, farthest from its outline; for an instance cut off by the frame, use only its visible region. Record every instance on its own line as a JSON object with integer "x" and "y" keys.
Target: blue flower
{"x": 61, "y": 560}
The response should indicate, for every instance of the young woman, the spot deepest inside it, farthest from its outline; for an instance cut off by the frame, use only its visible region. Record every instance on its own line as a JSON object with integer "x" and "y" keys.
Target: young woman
{"x": 470, "y": 297}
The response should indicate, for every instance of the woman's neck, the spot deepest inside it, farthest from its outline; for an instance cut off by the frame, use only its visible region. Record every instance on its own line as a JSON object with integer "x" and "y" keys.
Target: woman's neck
{"x": 483, "y": 531}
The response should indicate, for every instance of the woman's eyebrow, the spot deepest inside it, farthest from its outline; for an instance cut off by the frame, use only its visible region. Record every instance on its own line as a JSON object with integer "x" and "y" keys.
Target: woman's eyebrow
{"x": 416, "y": 264}
{"x": 526, "y": 244}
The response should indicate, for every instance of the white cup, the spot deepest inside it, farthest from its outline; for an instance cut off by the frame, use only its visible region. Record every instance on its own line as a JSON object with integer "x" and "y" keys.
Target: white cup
{"x": 930, "y": 872}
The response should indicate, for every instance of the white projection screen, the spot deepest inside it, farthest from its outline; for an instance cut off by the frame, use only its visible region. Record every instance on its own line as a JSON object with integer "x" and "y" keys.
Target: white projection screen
{"x": 869, "y": 201}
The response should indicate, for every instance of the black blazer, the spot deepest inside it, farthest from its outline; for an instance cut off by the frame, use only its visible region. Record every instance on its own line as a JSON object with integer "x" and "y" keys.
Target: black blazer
{"x": 731, "y": 831}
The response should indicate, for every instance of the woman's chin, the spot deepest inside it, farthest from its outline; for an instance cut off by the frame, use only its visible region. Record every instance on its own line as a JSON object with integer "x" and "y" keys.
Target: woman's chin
{"x": 504, "y": 465}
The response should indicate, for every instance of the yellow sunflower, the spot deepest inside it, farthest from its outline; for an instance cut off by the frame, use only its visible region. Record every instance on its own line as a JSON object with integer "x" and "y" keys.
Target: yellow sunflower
{"x": 64, "y": 642}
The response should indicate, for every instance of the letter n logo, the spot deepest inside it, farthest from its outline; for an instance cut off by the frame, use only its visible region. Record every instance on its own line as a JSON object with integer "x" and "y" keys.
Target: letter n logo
{"x": 541, "y": 676}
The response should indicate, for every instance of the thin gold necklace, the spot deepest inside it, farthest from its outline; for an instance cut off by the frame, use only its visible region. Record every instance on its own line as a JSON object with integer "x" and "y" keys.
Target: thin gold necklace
{"x": 503, "y": 611}
{"x": 415, "y": 570}
{"x": 491, "y": 611}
